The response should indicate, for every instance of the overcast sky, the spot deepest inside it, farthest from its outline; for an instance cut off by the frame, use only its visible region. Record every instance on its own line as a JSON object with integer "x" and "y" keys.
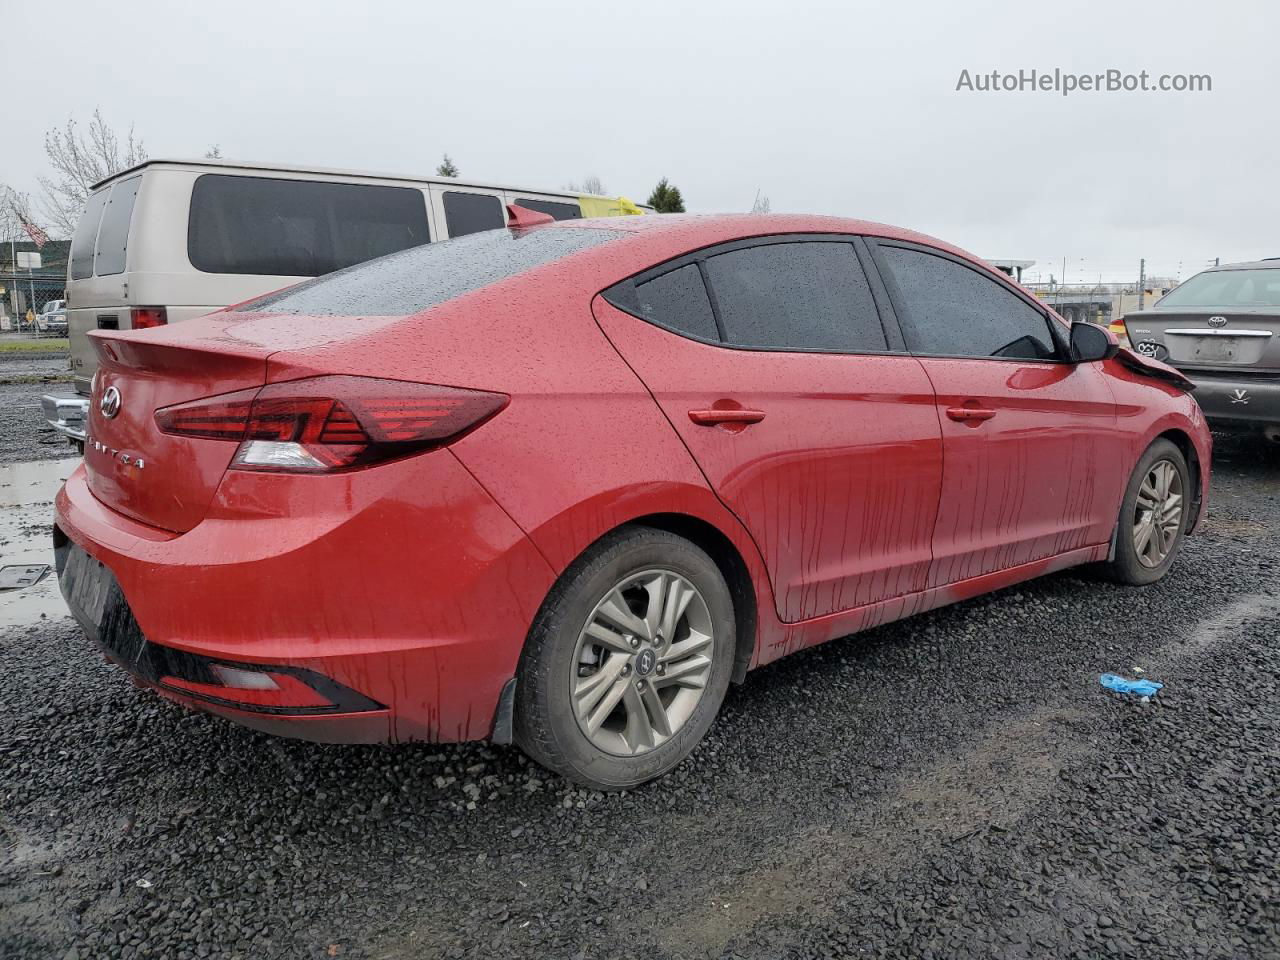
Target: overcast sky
{"x": 843, "y": 108}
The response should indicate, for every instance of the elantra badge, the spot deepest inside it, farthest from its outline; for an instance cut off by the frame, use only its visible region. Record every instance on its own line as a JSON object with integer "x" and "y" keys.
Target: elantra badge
{"x": 1217, "y": 321}
{"x": 109, "y": 405}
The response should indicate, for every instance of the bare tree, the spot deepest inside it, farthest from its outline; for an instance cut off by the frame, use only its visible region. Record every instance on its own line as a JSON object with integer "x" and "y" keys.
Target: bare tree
{"x": 14, "y": 208}
{"x": 590, "y": 184}
{"x": 79, "y": 160}
{"x": 213, "y": 153}
{"x": 761, "y": 204}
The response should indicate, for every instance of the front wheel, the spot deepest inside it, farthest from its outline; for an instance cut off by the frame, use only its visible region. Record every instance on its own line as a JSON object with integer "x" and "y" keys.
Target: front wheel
{"x": 1153, "y": 517}
{"x": 628, "y": 661}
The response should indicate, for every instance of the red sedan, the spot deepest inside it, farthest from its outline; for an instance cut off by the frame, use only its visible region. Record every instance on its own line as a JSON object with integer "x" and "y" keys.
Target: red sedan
{"x": 561, "y": 483}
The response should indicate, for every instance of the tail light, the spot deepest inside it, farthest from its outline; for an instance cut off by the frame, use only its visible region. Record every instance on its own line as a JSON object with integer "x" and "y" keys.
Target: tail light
{"x": 326, "y": 424}
{"x": 143, "y": 318}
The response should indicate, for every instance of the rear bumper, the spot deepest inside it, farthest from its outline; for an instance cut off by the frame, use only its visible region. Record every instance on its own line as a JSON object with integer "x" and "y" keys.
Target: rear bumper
{"x": 67, "y": 415}
{"x": 401, "y": 594}
{"x": 1242, "y": 400}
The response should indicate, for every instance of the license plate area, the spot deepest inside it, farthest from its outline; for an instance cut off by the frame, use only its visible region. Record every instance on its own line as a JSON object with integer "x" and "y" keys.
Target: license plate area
{"x": 96, "y": 601}
{"x": 1242, "y": 349}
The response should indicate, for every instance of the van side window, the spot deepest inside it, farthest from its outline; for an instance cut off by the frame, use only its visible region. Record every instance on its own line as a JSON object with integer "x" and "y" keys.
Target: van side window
{"x": 113, "y": 238}
{"x": 561, "y": 211}
{"x": 298, "y": 228}
{"x": 85, "y": 235}
{"x": 472, "y": 212}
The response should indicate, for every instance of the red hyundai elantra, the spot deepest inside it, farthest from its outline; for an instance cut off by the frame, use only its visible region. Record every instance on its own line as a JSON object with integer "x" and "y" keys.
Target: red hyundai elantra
{"x": 560, "y": 484}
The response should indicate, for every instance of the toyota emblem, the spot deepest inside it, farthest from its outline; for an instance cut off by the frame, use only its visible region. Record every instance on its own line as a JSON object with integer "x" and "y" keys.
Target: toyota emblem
{"x": 109, "y": 405}
{"x": 1217, "y": 321}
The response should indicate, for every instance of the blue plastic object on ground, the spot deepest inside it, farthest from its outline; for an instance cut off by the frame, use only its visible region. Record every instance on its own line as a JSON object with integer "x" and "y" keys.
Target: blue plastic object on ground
{"x": 1143, "y": 688}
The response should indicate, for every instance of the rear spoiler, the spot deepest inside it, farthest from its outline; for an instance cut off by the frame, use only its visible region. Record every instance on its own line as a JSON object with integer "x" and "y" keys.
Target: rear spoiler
{"x": 1149, "y": 367}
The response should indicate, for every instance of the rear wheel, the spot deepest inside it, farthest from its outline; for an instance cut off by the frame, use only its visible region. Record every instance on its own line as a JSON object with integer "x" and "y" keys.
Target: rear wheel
{"x": 628, "y": 661}
{"x": 1153, "y": 517}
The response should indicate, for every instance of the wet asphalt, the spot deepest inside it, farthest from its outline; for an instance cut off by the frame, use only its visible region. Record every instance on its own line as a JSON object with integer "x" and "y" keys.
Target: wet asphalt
{"x": 955, "y": 785}
{"x": 24, "y": 435}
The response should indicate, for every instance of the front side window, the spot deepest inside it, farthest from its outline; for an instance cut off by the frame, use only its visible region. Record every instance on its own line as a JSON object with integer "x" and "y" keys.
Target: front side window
{"x": 298, "y": 228}
{"x": 86, "y": 234}
{"x": 954, "y": 311}
{"x": 472, "y": 212}
{"x": 796, "y": 296}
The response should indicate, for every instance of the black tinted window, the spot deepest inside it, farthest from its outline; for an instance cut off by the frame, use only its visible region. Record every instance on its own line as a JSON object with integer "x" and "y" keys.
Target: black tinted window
{"x": 796, "y": 296}
{"x": 561, "y": 211}
{"x": 86, "y": 234}
{"x": 472, "y": 212}
{"x": 955, "y": 311}
{"x": 414, "y": 280}
{"x": 678, "y": 300}
{"x": 298, "y": 228}
{"x": 113, "y": 237}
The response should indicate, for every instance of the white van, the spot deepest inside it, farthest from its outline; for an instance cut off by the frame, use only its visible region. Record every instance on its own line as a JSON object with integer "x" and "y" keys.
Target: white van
{"x": 169, "y": 240}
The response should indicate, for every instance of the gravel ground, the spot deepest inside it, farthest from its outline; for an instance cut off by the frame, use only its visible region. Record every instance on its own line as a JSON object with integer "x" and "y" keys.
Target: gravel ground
{"x": 956, "y": 785}
{"x": 24, "y": 435}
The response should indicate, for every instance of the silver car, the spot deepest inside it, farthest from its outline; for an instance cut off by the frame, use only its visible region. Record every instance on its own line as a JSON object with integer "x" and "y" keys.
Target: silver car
{"x": 53, "y": 318}
{"x": 1222, "y": 330}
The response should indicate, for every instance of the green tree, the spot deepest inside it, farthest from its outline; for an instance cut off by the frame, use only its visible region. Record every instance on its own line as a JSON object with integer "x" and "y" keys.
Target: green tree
{"x": 447, "y": 168}
{"x": 666, "y": 198}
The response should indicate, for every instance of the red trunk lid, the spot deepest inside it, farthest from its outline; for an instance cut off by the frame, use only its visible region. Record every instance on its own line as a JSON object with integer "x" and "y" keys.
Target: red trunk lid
{"x": 132, "y": 467}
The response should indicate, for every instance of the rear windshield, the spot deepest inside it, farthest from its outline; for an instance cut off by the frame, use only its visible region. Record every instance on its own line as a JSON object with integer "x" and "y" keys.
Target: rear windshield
{"x": 1226, "y": 288}
{"x": 298, "y": 228}
{"x": 85, "y": 235}
{"x": 415, "y": 280}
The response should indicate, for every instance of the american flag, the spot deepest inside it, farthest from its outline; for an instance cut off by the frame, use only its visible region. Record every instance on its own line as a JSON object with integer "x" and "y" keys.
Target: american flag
{"x": 38, "y": 236}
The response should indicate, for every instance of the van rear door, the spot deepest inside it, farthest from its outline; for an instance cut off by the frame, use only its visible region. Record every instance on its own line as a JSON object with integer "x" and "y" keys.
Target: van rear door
{"x": 97, "y": 287}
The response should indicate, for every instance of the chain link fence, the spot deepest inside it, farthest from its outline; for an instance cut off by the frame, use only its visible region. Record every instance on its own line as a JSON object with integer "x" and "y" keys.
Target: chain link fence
{"x": 33, "y": 283}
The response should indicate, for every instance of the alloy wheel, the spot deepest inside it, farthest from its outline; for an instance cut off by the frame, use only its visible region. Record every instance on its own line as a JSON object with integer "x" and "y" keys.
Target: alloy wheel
{"x": 642, "y": 662}
{"x": 1158, "y": 516}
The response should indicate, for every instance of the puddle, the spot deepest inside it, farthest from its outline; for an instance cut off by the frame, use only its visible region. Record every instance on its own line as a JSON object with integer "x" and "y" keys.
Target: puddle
{"x": 26, "y": 517}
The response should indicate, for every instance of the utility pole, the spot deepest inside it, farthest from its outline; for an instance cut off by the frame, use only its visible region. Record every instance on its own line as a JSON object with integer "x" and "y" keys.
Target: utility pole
{"x": 1215, "y": 261}
{"x": 1142, "y": 283}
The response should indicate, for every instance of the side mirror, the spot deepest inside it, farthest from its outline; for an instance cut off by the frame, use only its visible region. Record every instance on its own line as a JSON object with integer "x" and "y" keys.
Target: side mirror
{"x": 1090, "y": 343}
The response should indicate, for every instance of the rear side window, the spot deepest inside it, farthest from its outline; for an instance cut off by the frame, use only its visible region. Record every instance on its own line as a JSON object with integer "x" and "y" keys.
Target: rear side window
{"x": 954, "y": 311}
{"x": 113, "y": 237}
{"x": 415, "y": 280}
{"x": 561, "y": 211}
{"x": 472, "y": 212}
{"x": 86, "y": 234}
{"x": 678, "y": 300}
{"x": 796, "y": 296}
{"x": 298, "y": 228}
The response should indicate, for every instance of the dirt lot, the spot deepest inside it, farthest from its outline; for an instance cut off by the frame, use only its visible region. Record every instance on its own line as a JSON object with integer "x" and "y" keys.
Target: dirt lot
{"x": 957, "y": 785}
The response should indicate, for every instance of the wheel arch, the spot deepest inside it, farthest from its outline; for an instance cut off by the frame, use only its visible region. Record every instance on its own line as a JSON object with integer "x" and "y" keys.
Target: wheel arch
{"x": 1182, "y": 440}
{"x": 732, "y": 566}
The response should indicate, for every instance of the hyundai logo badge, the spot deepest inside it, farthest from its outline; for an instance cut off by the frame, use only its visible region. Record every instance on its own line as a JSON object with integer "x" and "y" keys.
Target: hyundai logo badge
{"x": 109, "y": 405}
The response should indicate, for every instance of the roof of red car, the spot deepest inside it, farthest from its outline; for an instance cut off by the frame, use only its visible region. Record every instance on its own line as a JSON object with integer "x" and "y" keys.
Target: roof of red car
{"x": 701, "y": 229}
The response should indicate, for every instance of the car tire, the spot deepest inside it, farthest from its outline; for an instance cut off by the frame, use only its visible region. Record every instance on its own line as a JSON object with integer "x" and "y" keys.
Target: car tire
{"x": 567, "y": 677}
{"x": 1145, "y": 546}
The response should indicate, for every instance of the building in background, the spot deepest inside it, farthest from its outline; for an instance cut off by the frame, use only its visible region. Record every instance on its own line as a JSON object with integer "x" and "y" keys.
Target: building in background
{"x": 1012, "y": 268}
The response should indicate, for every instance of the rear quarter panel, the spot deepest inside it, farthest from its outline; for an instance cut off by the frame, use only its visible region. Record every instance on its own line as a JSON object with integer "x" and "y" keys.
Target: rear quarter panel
{"x": 582, "y": 447}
